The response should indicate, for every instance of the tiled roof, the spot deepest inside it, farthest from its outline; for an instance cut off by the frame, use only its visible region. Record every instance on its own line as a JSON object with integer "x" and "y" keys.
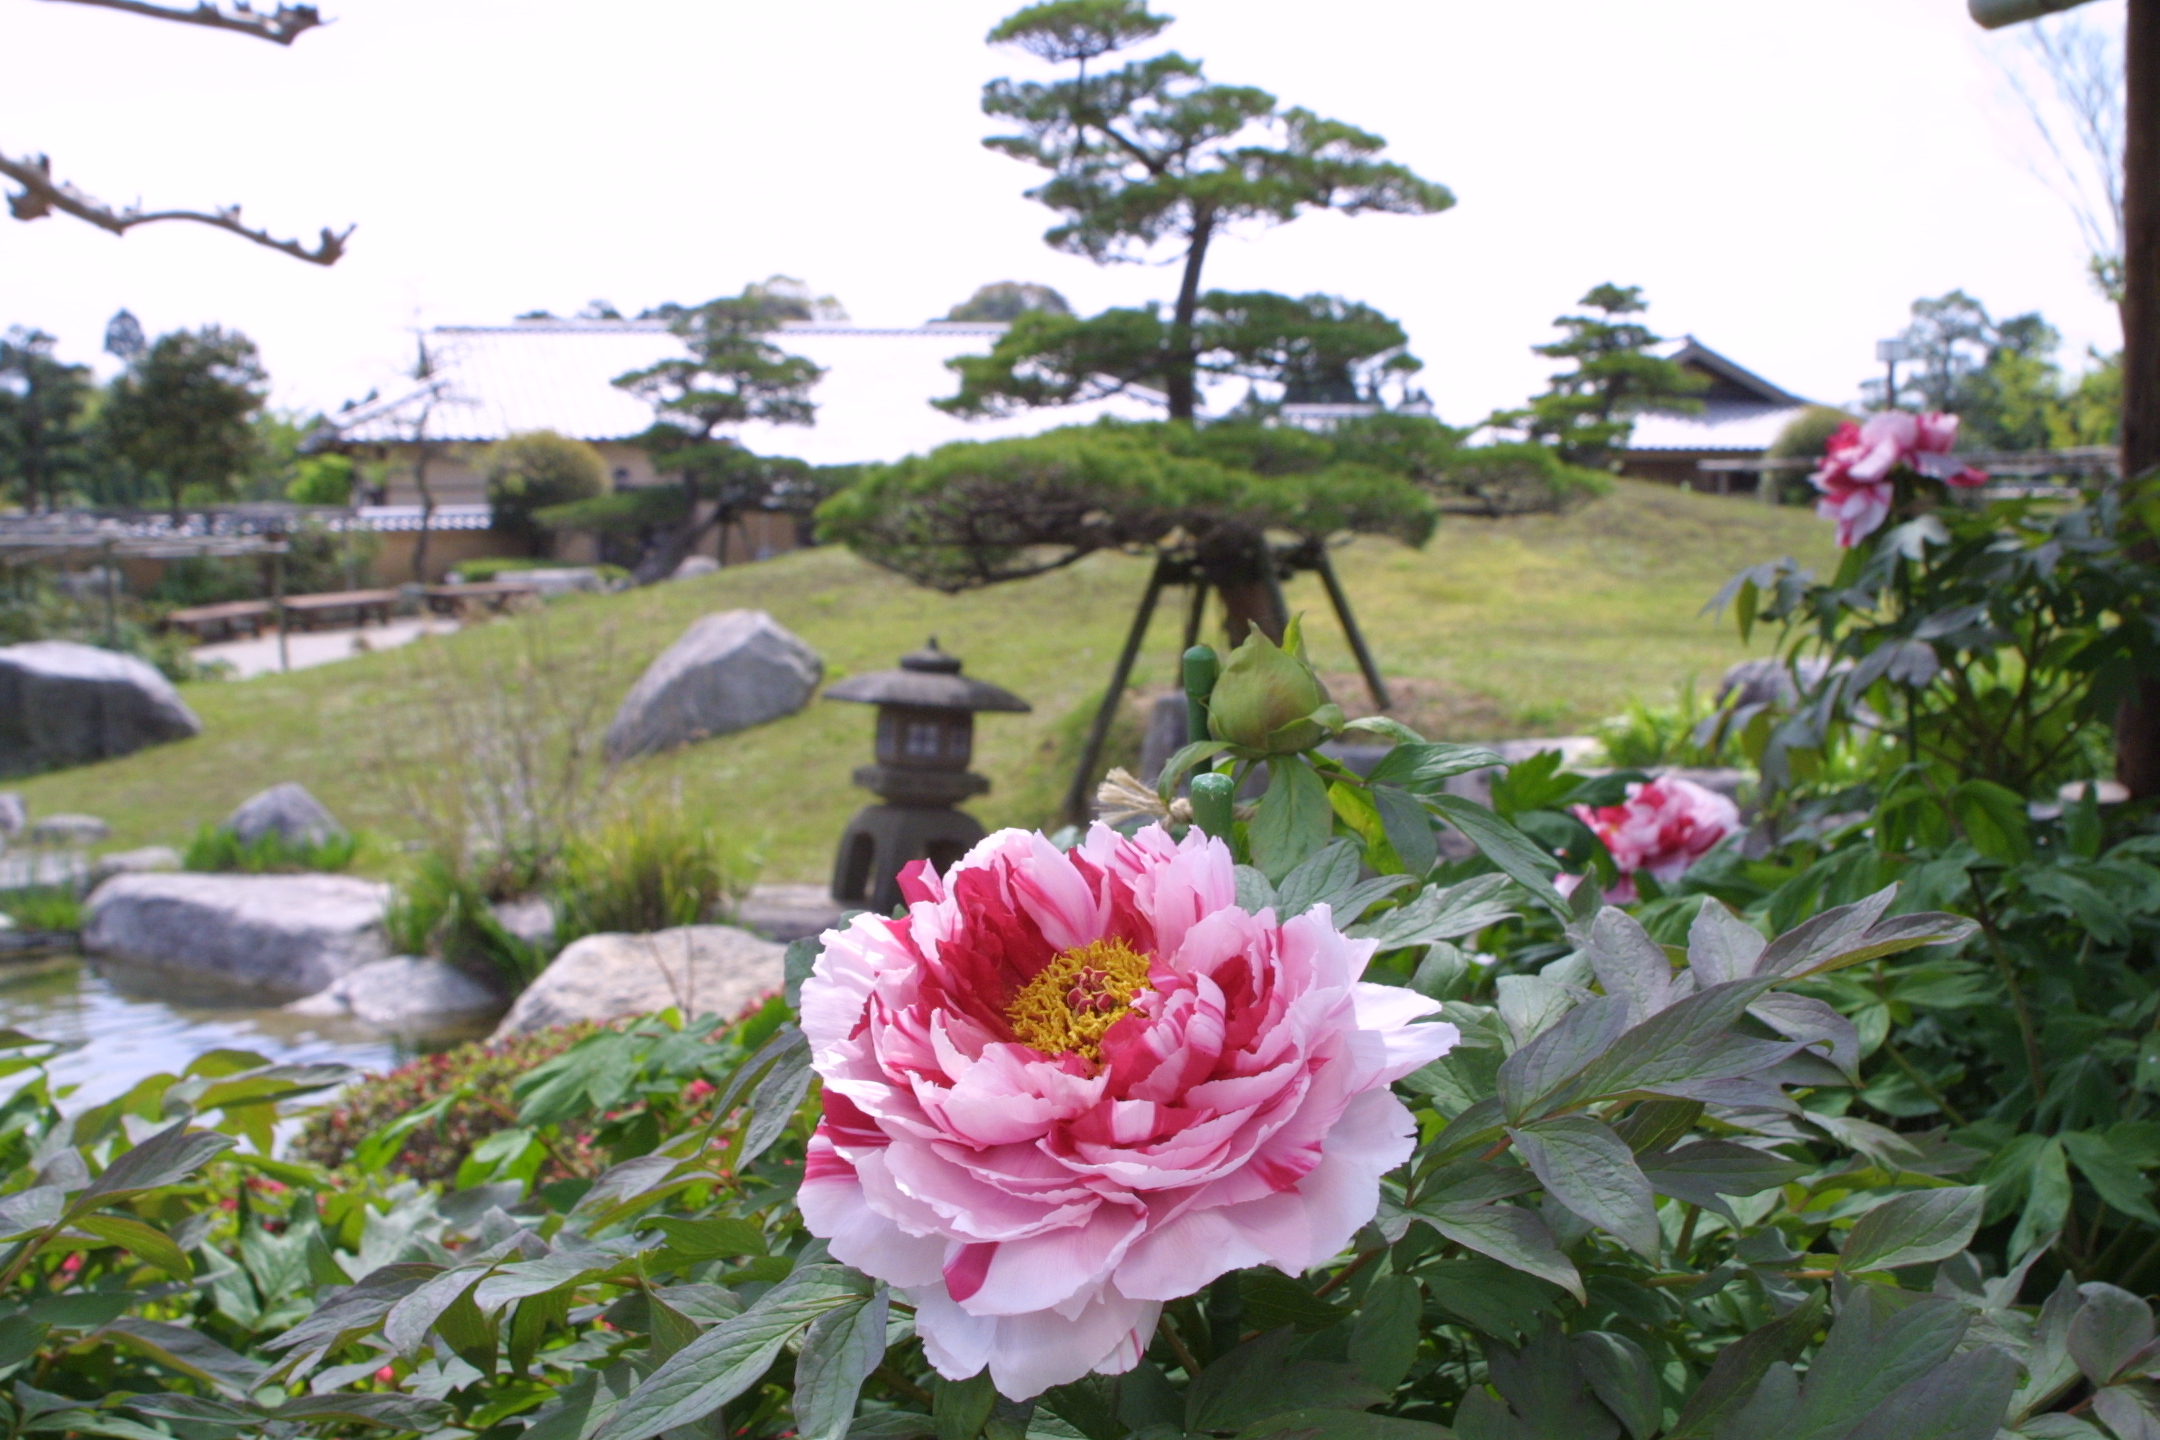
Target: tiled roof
{"x": 1723, "y": 426}
{"x": 1742, "y": 413}
{"x": 873, "y": 403}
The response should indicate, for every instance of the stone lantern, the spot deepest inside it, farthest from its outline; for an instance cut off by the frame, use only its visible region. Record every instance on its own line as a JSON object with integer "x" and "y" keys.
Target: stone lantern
{"x": 925, "y": 738}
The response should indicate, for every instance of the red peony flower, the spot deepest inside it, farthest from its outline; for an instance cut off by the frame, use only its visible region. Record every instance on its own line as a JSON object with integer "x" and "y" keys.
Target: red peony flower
{"x": 1070, "y": 1087}
{"x": 1663, "y": 827}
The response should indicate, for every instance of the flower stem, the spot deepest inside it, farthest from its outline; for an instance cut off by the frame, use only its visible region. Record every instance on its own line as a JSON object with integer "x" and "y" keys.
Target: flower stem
{"x": 1336, "y": 1280}
{"x": 2003, "y": 967}
{"x": 904, "y": 1385}
{"x": 1686, "y": 1244}
{"x": 1168, "y": 1331}
{"x": 1942, "y": 1103}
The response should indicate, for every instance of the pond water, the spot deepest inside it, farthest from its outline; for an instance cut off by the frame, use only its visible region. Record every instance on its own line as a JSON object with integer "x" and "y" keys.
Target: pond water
{"x": 134, "y": 1025}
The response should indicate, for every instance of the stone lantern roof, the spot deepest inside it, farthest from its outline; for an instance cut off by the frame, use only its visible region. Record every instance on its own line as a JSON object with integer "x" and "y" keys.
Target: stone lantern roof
{"x": 928, "y": 679}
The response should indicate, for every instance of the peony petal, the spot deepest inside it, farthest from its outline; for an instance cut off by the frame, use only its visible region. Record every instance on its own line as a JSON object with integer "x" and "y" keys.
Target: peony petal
{"x": 1042, "y": 1273}
{"x": 838, "y": 1209}
{"x": 1054, "y": 896}
{"x": 1028, "y": 1354}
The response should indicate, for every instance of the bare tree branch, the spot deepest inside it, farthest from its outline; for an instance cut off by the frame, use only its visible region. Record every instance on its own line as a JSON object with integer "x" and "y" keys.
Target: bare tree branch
{"x": 2083, "y": 67}
{"x": 41, "y": 195}
{"x": 282, "y": 26}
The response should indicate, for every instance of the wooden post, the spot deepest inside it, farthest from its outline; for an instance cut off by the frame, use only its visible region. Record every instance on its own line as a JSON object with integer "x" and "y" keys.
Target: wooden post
{"x": 2137, "y": 723}
{"x": 1196, "y": 612}
{"x": 112, "y": 604}
{"x": 1077, "y": 798}
{"x": 1373, "y": 682}
{"x": 277, "y": 603}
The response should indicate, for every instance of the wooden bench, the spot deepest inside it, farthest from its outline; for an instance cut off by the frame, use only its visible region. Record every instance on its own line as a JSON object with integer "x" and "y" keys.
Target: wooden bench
{"x": 225, "y": 620}
{"x": 491, "y": 594}
{"x": 309, "y": 610}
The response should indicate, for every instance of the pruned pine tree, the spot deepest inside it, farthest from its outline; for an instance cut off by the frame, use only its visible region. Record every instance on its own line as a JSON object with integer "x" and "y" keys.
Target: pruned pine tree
{"x": 733, "y": 374}
{"x": 1151, "y": 157}
{"x": 1590, "y": 411}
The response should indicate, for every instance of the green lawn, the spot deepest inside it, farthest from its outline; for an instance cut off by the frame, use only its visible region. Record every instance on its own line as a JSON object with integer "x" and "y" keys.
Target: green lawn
{"x": 1530, "y": 626}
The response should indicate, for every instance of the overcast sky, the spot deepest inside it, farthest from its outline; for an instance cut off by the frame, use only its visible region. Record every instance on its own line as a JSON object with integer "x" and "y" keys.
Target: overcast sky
{"x": 1782, "y": 177}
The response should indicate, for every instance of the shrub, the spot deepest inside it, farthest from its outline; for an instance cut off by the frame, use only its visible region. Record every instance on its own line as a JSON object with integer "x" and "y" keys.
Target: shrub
{"x": 216, "y": 848}
{"x": 536, "y": 469}
{"x": 471, "y": 1084}
{"x": 1805, "y": 437}
{"x": 1651, "y": 735}
{"x": 317, "y": 560}
{"x": 322, "y": 480}
{"x": 497, "y": 752}
{"x": 49, "y": 908}
{"x": 441, "y": 909}
{"x": 661, "y": 868}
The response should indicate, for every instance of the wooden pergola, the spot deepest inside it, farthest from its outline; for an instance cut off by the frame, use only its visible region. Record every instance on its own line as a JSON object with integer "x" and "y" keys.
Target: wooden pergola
{"x": 42, "y": 540}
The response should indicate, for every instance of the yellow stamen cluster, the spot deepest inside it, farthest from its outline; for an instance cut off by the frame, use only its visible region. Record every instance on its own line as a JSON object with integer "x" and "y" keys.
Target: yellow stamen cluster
{"x": 1077, "y": 998}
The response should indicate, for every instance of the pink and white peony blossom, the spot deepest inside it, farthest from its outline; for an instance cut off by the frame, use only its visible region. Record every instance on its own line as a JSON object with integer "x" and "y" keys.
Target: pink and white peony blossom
{"x": 1663, "y": 827}
{"x": 1859, "y": 460}
{"x": 1069, "y": 1087}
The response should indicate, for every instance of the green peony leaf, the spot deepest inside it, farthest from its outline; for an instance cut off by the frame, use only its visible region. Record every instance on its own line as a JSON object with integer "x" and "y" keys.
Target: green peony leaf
{"x": 1914, "y": 1229}
{"x": 1592, "y": 1172}
{"x": 839, "y": 1351}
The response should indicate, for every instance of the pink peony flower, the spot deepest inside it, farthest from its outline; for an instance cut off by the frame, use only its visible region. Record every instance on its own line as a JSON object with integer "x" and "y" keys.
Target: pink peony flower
{"x": 1937, "y": 437}
{"x": 1858, "y": 508}
{"x": 1663, "y": 827}
{"x": 1070, "y": 1087}
{"x": 1859, "y": 460}
{"x": 1855, "y": 474}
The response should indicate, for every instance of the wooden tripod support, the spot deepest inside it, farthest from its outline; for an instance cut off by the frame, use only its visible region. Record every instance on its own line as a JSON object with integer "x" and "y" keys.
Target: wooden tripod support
{"x": 1172, "y": 570}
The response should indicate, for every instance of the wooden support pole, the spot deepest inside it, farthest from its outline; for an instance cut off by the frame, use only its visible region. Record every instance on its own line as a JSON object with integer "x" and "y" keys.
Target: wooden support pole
{"x": 277, "y": 602}
{"x": 112, "y": 602}
{"x": 2137, "y": 723}
{"x": 1356, "y": 637}
{"x": 1196, "y": 612}
{"x": 1077, "y": 806}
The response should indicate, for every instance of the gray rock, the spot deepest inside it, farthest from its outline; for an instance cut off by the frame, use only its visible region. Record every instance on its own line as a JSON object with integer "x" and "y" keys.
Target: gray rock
{"x": 286, "y": 810}
{"x": 69, "y": 832}
{"x": 68, "y": 704}
{"x": 1165, "y": 735}
{"x": 565, "y": 580}
{"x": 281, "y": 935}
{"x": 728, "y": 672}
{"x": 150, "y": 860}
{"x": 531, "y": 919}
{"x": 788, "y": 912}
{"x": 14, "y": 815}
{"x": 702, "y": 969}
{"x": 694, "y": 566}
{"x": 405, "y": 995}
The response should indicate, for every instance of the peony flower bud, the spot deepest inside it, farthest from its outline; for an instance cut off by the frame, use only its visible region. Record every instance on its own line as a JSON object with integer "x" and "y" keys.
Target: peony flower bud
{"x": 1267, "y": 696}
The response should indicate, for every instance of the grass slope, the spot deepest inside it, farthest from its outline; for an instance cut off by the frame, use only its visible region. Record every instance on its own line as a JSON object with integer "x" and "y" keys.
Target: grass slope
{"x": 1528, "y": 626}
